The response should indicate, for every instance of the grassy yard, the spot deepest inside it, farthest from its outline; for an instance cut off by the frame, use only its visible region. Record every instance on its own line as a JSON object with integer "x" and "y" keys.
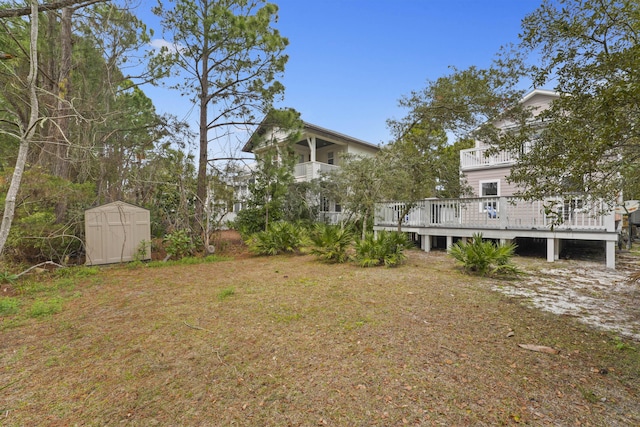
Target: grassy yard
{"x": 288, "y": 341}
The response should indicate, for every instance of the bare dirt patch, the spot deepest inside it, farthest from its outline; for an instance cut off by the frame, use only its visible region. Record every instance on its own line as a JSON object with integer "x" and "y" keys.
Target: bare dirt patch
{"x": 600, "y": 297}
{"x": 288, "y": 341}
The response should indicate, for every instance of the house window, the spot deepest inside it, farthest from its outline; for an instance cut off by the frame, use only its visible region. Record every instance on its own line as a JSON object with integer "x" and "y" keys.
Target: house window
{"x": 570, "y": 208}
{"x": 490, "y": 189}
{"x": 301, "y": 158}
{"x": 330, "y": 157}
{"x": 324, "y": 205}
{"x": 338, "y": 207}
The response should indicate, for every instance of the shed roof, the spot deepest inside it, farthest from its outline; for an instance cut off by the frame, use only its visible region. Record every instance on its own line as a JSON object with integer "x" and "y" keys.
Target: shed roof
{"x": 118, "y": 203}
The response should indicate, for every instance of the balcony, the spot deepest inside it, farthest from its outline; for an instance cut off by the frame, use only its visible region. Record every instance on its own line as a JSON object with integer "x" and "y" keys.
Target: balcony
{"x": 308, "y": 171}
{"x": 474, "y": 158}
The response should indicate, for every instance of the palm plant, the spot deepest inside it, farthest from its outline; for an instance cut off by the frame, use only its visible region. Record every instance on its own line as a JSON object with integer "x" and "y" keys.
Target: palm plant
{"x": 484, "y": 257}
{"x": 387, "y": 249}
{"x": 280, "y": 237}
{"x": 331, "y": 243}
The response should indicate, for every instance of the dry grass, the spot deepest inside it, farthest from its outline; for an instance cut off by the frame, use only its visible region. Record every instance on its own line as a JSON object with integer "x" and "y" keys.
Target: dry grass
{"x": 290, "y": 341}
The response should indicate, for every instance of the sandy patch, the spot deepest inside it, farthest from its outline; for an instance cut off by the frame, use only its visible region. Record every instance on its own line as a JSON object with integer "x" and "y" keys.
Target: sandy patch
{"x": 600, "y": 297}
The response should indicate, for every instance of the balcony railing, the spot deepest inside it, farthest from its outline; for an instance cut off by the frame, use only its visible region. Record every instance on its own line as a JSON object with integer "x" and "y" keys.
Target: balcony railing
{"x": 563, "y": 214}
{"x": 473, "y": 158}
{"x": 478, "y": 157}
{"x": 312, "y": 170}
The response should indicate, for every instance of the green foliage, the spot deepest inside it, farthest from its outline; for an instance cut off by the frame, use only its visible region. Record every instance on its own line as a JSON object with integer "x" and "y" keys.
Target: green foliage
{"x": 251, "y": 220}
{"x": 359, "y": 185}
{"x": 9, "y": 306}
{"x": 141, "y": 250}
{"x": 587, "y": 51}
{"x": 6, "y": 277}
{"x": 331, "y": 243}
{"x": 273, "y": 194}
{"x": 242, "y": 55}
{"x": 226, "y": 293}
{"x": 49, "y": 218}
{"x": 77, "y": 272}
{"x": 485, "y": 257}
{"x": 387, "y": 248}
{"x": 621, "y": 345}
{"x": 179, "y": 244}
{"x": 280, "y": 237}
{"x": 45, "y": 307}
{"x": 189, "y": 260}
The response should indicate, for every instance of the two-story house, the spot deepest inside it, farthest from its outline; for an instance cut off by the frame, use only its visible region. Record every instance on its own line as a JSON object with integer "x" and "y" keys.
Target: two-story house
{"x": 317, "y": 151}
{"x": 494, "y": 211}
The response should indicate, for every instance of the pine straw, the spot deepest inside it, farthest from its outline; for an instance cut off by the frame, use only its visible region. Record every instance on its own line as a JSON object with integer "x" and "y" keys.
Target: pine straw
{"x": 301, "y": 343}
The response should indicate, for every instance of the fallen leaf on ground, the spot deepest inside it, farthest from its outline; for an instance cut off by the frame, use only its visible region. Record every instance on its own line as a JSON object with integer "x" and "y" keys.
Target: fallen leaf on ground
{"x": 539, "y": 348}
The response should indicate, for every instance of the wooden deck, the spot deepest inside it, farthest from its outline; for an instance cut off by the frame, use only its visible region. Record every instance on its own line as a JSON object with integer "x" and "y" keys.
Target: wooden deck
{"x": 553, "y": 219}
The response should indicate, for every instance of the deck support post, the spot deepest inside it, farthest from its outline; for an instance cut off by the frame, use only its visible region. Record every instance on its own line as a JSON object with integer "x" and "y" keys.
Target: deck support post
{"x": 611, "y": 254}
{"x": 426, "y": 243}
{"x": 449, "y": 242}
{"x": 552, "y": 249}
{"x": 463, "y": 240}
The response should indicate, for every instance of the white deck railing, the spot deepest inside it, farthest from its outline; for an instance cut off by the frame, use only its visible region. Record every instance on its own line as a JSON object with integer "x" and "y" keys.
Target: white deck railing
{"x": 311, "y": 170}
{"x": 477, "y": 157}
{"x": 562, "y": 214}
{"x": 331, "y": 217}
{"x": 472, "y": 158}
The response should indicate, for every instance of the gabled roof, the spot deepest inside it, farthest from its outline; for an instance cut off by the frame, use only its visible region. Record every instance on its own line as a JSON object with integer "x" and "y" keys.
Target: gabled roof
{"x": 539, "y": 92}
{"x": 118, "y": 204}
{"x": 310, "y": 128}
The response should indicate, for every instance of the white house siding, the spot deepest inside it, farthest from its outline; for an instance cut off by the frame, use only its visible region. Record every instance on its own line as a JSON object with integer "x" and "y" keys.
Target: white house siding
{"x": 488, "y": 174}
{"x": 337, "y": 150}
{"x": 361, "y": 150}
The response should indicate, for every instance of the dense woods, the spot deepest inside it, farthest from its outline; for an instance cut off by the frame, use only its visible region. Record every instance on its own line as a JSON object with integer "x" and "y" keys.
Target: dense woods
{"x": 96, "y": 136}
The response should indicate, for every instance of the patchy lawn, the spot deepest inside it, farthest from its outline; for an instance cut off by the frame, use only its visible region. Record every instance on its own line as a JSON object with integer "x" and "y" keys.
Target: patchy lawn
{"x": 288, "y": 341}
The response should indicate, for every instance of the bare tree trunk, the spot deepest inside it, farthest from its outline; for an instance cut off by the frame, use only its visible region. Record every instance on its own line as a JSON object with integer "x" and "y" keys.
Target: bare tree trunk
{"x": 63, "y": 110}
{"x": 364, "y": 223}
{"x": 54, "y": 154}
{"x": 26, "y": 133}
{"x": 201, "y": 186}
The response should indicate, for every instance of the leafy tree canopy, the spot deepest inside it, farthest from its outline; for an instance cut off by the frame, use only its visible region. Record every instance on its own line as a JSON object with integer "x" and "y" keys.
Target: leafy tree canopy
{"x": 589, "y": 52}
{"x": 421, "y": 161}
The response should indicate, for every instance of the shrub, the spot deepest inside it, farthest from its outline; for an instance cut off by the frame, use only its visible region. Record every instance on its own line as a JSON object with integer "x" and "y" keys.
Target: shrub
{"x": 281, "y": 237}
{"x": 179, "y": 244}
{"x": 386, "y": 249}
{"x": 250, "y": 221}
{"x": 49, "y": 222}
{"x": 485, "y": 257}
{"x": 331, "y": 243}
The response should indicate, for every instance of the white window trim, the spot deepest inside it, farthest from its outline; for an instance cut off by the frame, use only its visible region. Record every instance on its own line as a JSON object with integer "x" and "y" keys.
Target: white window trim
{"x": 331, "y": 158}
{"x": 482, "y": 207}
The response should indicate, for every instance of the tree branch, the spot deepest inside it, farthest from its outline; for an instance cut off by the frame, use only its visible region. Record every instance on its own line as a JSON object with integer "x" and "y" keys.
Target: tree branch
{"x": 23, "y": 11}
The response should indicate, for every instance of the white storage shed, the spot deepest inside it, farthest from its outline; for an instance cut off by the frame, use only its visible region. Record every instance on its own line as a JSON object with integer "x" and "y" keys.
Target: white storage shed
{"x": 115, "y": 232}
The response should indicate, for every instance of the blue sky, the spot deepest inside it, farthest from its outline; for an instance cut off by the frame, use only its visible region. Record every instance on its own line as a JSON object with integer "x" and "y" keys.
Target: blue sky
{"x": 350, "y": 61}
